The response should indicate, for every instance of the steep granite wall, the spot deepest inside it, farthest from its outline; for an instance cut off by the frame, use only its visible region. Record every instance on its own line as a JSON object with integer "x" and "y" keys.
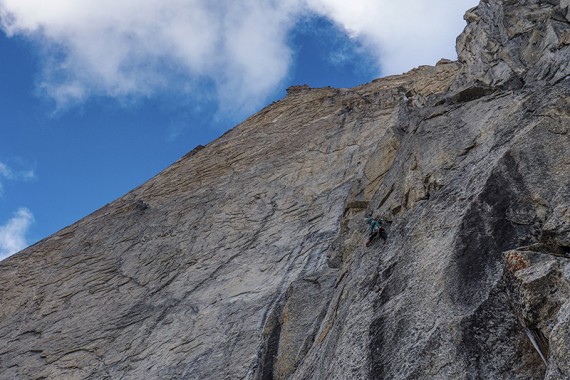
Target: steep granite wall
{"x": 246, "y": 258}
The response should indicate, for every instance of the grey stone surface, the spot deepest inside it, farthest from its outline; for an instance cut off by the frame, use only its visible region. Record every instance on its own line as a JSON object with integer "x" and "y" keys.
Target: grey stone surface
{"x": 246, "y": 258}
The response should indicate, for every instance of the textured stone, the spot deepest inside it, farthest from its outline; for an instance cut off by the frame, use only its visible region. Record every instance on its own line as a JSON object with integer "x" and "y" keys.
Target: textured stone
{"x": 246, "y": 258}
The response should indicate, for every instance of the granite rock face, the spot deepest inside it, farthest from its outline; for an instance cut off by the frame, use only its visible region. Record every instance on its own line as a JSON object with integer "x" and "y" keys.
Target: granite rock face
{"x": 246, "y": 258}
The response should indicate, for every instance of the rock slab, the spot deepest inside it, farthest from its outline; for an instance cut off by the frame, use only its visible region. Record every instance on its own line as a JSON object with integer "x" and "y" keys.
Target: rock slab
{"x": 246, "y": 259}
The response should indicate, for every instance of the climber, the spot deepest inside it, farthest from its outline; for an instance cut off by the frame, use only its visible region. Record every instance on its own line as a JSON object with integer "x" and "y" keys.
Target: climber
{"x": 375, "y": 229}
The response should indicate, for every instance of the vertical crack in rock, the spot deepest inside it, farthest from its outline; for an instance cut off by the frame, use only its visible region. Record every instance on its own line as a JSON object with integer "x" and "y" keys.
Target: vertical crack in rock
{"x": 292, "y": 326}
{"x": 270, "y": 345}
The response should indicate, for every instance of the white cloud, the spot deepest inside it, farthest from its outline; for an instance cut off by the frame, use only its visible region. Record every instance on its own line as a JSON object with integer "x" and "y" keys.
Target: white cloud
{"x": 13, "y": 233}
{"x": 27, "y": 175}
{"x": 402, "y": 34}
{"x": 133, "y": 48}
{"x": 7, "y": 173}
{"x": 136, "y": 48}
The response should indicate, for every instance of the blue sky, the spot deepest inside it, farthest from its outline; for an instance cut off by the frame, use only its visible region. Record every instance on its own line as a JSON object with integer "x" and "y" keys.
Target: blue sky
{"x": 95, "y": 101}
